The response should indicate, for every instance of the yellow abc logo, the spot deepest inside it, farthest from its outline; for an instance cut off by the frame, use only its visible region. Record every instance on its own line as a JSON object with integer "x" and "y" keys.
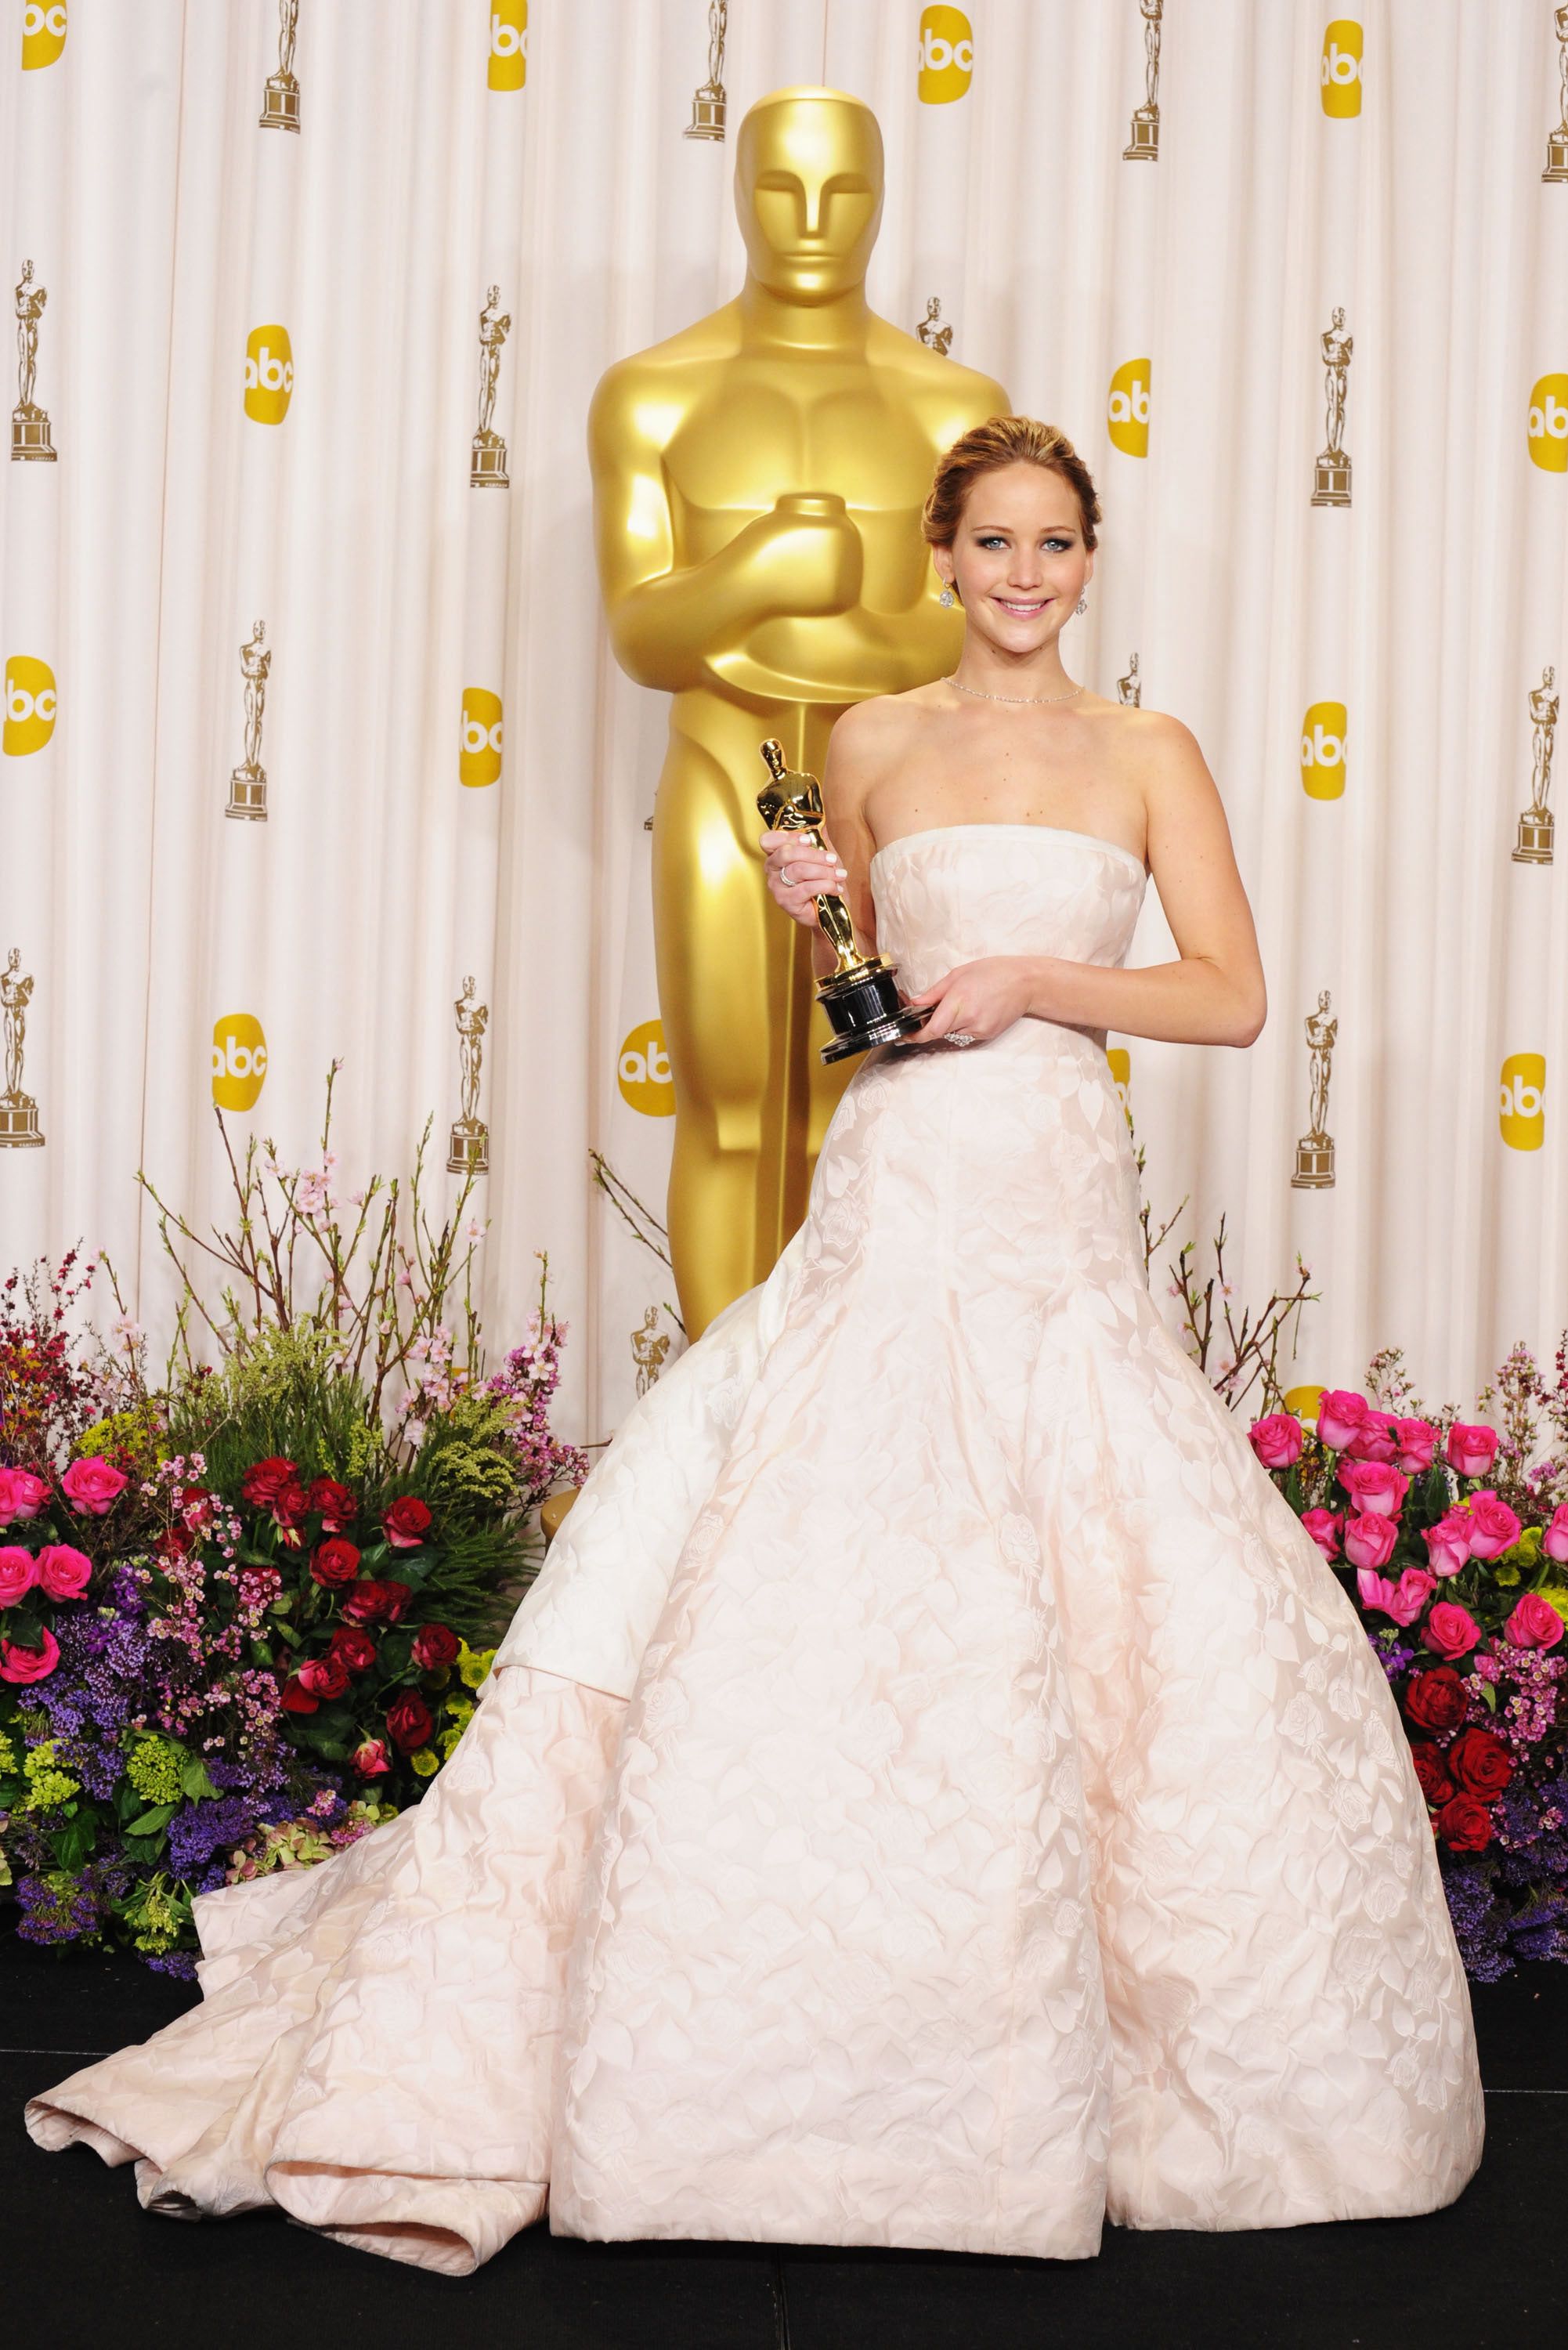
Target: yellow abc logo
{"x": 1126, "y": 408}
{"x": 31, "y": 700}
{"x": 1304, "y": 1401}
{"x": 1322, "y": 751}
{"x": 1120, "y": 1060}
{"x": 1519, "y": 1113}
{"x": 478, "y": 740}
{"x": 239, "y": 1060}
{"x": 947, "y": 55}
{"x": 508, "y": 44}
{"x": 1547, "y": 429}
{"x": 643, "y": 1071}
{"x": 43, "y": 33}
{"x": 269, "y": 374}
{"x": 1341, "y": 67}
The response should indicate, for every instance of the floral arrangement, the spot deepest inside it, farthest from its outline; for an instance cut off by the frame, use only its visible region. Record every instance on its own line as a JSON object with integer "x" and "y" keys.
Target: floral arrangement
{"x": 1452, "y": 1541}
{"x": 245, "y": 1605}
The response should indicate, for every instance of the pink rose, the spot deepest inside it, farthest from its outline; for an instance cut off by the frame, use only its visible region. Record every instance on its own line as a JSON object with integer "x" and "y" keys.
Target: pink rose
{"x": 18, "y": 1573}
{"x": 1450, "y": 1629}
{"x": 1404, "y": 1600}
{"x": 1493, "y": 1526}
{"x": 1340, "y": 1417}
{"x": 1325, "y": 1526}
{"x": 92, "y": 1485}
{"x": 1471, "y": 1446}
{"x": 1369, "y": 1538}
{"x": 28, "y": 1664}
{"x": 1373, "y": 1485}
{"x": 1416, "y": 1442}
{"x": 1554, "y": 1534}
{"x": 1534, "y": 1623}
{"x": 22, "y": 1496}
{"x": 64, "y": 1572}
{"x": 325, "y": 1677}
{"x": 1449, "y": 1542}
{"x": 1277, "y": 1439}
{"x": 371, "y": 1757}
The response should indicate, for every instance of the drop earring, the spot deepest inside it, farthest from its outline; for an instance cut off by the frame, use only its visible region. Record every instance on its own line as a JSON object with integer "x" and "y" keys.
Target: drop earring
{"x": 947, "y": 599}
{"x": 1083, "y": 604}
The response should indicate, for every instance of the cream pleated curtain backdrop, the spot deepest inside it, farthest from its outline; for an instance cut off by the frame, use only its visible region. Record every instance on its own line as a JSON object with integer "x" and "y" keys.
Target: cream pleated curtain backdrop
{"x": 259, "y": 364}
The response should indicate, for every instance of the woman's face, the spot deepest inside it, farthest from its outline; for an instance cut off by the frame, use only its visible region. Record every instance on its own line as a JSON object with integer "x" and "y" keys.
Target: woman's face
{"x": 1018, "y": 557}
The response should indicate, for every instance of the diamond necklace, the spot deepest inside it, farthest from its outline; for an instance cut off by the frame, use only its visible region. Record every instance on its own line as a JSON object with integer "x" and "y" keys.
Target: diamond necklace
{"x": 1009, "y": 697}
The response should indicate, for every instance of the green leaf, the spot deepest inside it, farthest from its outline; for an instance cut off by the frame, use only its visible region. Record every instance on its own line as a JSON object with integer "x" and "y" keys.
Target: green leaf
{"x": 1489, "y": 1694}
{"x": 73, "y": 1842}
{"x": 193, "y": 1779}
{"x": 152, "y": 1823}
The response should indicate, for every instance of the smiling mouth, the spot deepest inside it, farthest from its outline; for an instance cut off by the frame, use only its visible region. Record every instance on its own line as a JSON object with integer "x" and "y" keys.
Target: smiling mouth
{"x": 1022, "y": 611}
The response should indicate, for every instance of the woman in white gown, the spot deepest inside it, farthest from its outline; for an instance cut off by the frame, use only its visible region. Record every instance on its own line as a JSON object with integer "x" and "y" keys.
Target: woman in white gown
{"x": 936, "y": 1793}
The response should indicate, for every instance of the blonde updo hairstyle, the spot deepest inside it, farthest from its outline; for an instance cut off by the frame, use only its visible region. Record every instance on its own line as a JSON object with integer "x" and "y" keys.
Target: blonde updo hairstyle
{"x": 1004, "y": 441}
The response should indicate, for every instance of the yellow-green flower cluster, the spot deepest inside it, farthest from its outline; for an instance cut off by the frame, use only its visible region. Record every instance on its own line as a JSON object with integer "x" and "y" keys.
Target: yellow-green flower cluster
{"x": 156, "y": 1912}
{"x": 47, "y": 1784}
{"x": 154, "y": 1769}
{"x": 473, "y": 1664}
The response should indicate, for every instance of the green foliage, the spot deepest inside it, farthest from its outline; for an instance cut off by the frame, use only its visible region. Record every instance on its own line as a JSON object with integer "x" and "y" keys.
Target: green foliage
{"x": 466, "y": 1468}
{"x": 278, "y": 1391}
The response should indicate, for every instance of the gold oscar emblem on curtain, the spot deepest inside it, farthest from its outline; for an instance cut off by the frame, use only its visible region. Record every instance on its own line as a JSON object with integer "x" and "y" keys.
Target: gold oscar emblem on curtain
{"x": 29, "y": 422}
{"x": 934, "y": 330}
{"x": 1537, "y": 824}
{"x": 1145, "y": 146}
{"x": 280, "y": 101}
{"x": 468, "y": 1150}
{"x": 1129, "y": 688}
{"x": 247, "y": 782}
{"x": 18, "y": 1110}
{"x": 1315, "y": 1151}
{"x": 708, "y": 102}
{"x": 758, "y": 483}
{"x": 487, "y": 467}
{"x": 1332, "y": 487}
{"x": 1557, "y": 139}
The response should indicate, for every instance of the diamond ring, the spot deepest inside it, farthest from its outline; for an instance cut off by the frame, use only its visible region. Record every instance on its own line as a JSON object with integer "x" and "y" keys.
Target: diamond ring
{"x": 959, "y": 1037}
{"x": 786, "y": 877}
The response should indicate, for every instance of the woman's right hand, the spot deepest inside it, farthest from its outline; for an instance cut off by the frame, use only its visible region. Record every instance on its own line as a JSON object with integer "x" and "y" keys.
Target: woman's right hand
{"x": 812, "y": 873}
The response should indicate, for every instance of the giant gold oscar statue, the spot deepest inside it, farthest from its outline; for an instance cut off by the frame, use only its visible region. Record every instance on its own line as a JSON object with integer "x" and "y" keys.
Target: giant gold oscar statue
{"x": 758, "y": 481}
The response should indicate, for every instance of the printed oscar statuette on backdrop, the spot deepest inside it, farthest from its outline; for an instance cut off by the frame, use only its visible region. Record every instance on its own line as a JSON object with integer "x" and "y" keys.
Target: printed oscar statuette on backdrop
{"x": 30, "y": 441}
{"x": 1557, "y": 139}
{"x": 1537, "y": 824}
{"x": 861, "y": 996}
{"x": 18, "y": 1110}
{"x": 280, "y": 101}
{"x": 1315, "y": 1151}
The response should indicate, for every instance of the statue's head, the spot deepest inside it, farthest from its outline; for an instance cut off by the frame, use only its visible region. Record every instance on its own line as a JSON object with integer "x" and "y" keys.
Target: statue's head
{"x": 808, "y": 191}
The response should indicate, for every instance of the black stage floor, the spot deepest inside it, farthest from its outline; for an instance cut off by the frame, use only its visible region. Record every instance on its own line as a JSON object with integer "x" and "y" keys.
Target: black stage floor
{"x": 80, "y": 2261}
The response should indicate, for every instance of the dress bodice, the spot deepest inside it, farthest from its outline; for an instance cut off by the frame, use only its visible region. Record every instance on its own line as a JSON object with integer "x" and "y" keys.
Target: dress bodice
{"x": 955, "y": 892}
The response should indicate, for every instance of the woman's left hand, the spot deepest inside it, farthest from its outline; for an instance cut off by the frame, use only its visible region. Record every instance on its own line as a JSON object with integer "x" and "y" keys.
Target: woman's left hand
{"x": 978, "y": 999}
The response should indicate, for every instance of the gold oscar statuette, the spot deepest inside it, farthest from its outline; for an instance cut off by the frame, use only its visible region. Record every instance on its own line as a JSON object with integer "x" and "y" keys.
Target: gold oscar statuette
{"x": 18, "y": 1110}
{"x": 30, "y": 442}
{"x": 1331, "y": 484}
{"x": 487, "y": 461}
{"x": 247, "y": 782}
{"x": 468, "y": 1150}
{"x": 860, "y": 997}
{"x": 758, "y": 481}
{"x": 280, "y": 100}
{"x": 708, "y": 102}
{"x": 1144, "y": 147}
{"x": 1315, "y": 1151}
{"x": 1537, "y": 824}
{"x": 1557, "y": 139}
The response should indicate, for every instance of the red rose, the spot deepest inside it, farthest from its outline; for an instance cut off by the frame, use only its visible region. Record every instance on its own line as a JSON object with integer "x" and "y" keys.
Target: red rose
{"x": 263, "y": 1480}
{"x": 334, "y": 1563}
{"x": 1465, "y": 1824}
{"x": 370, "y": 1758}
{"x": 357, "y": 1649}
{"x": 406, "y": 1523}
{"x": 324, "y": 1676}
{"x": 296, "y": 1698}
{"x": 1436, "y": 1700}
{"x": 409, "y": 1722}
{"x": 1435, "y": 1784}
{"x": 1480, "y": 1762}
{"x": 337, "y": 1505}
{"x": 290, "y": 1503}
{"x": 435, "y": 1645}
{"x": 376, "y": 1603}
{"x": 177, "y": 1541}
{"x": 197, "y": 1504}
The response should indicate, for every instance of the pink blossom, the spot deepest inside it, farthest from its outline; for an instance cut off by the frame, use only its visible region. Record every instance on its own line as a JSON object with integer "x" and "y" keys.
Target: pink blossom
{"x": 1324, "y": 1527}
{"x": 1554, "y": 1534}
{"x": 371, "y": 1757}
{"x": 1471, "y": 1448}
{"x": 18, "y": 1664}
{"x": 22, "y": 1496}
{"x": 1417, "y": 1441}
{"x": 1340, "y": 1417}
{"x": 1450, "y": 1629}
{"x": 1373, "y": 1485}
{"x": 1494, "y": 1528}
{"x": 1534, "y": 1623}
{"x": 1449, "y": 1542}
{"x": 1277, "y": 1439}
{"x": 18, "y": 1573}
{"x": 1369, "y": 1538}
{"x": 1403, "y": 1600}
{"x": 91, "y": 1485}
{"x": 64, "y": 1572}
